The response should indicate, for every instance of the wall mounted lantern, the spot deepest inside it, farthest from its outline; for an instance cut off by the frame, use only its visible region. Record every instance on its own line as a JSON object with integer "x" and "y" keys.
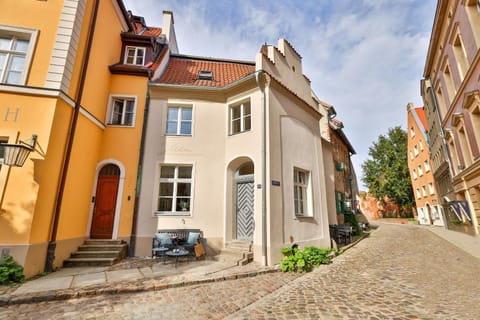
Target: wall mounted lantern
{"x": 15, "y": 154}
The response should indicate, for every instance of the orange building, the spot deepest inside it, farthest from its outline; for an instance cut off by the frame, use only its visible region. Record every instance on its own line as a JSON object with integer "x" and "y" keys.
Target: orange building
{"x": 429, "y": 210}
{"x": 77, "y": 83}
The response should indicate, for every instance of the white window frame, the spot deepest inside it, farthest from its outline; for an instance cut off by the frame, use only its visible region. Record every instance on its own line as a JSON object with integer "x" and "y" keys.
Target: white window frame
{"x": 415, "y": 150}
{"x": 414, "y": 174}
{"x": 430, "y": 188}
{"x": 111, "y": 110}
{"x": 175, "y": 180}
{"x": 179, "y": 120}
{"x": 23, "y": 34}
{"x": 302, "y": 207}
{"x": 424, "y": 191}
{"x": 417, "y": 191}
{"x": 426, "y": 165}
{"x": 136, "y": 55}
{"x": 242, "y": 118}
{"x": 420, "y": 171}
{"x": 412, "y": 132}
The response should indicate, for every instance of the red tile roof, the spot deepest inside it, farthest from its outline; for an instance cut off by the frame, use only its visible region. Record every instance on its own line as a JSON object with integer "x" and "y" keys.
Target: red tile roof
{"x": 140, "y": 29}
{"x": 421, "y": 115}
{"x": 183, "y": 70}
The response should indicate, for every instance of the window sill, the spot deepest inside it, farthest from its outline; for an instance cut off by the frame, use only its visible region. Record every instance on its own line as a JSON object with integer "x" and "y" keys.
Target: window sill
{"x": 298, "y": 216}
{"x": 237, "y": 133}
{"x": 120, "y": 125}
{"x": 172, "y": 214}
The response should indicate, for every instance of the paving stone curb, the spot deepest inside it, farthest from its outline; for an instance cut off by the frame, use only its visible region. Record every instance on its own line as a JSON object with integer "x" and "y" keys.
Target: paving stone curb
{"x": 150, "y": 284}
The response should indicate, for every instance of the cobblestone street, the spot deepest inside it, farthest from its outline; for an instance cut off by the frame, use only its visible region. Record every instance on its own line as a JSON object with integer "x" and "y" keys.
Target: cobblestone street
{"x": 399, "y": 272}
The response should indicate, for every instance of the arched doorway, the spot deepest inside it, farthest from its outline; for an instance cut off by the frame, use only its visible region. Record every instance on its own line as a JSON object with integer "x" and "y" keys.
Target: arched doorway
{"x": 244, "y": 182}
{"x": 105, "y": 202}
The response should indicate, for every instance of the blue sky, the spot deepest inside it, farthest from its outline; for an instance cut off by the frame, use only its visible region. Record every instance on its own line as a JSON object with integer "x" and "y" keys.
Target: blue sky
{"x": 365, "y": 57}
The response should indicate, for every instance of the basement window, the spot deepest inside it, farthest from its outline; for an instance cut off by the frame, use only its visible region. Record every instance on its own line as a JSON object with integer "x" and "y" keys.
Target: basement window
{"x": 205, "y": 75}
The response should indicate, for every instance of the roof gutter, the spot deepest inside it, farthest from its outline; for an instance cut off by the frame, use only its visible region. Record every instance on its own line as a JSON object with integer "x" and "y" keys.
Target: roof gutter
{"x": 264, "y": 166}
{"x": 133, "y": 234}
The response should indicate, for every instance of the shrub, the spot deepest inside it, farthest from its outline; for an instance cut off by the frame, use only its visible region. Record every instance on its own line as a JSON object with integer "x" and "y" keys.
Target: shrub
{"x": 10, "y": 271}
{"x": 350, "y": 218}
{"x": 295, "y": 260}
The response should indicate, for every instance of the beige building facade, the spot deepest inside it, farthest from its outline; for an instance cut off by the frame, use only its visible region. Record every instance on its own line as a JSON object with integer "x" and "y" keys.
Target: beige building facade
{"x": 234, "y": 148}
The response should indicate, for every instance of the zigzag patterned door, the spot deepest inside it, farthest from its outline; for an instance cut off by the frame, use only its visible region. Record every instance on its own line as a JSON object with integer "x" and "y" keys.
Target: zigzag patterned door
{"x": 245, "y": 222}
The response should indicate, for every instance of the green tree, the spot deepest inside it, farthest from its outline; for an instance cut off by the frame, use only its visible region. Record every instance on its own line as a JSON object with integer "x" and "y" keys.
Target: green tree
{"x": 386, "y": 174}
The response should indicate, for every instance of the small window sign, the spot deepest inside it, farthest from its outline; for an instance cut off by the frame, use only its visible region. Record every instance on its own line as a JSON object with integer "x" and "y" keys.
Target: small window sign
{"x": 276, "y": 183}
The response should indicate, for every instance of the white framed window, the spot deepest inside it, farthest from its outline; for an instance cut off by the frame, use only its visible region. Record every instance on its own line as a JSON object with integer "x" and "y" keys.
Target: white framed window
{"x": 16, "y": 51}
{"x": 179, "y": 121}
{"x": 175, "y": 190}
{"x": 240, "y": 117}
{"x": 426, "y": 165}
{"x": 412, "y": 132}
{"x": 414, "y": 174}
{"x": 415, "y": 150}
{"x": 420, "y": 171}
{"x": 424, "y": 191}
{"x": 421, "y": 145}
{"x": 301, "y": 192}
{"x": 121, "y": 111}
{"x": 430, "y": 188}
{"x": 411, "y": 155}
{"x": 417, "y": 191}
{"x": 134, "y": 56}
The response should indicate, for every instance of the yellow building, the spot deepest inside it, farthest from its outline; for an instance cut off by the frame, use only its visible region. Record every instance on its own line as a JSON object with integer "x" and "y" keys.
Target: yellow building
{"x": 79, "y": 84}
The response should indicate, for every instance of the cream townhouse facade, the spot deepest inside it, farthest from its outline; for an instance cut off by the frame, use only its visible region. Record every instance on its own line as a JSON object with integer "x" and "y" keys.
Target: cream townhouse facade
{"x": 234, "y": 148}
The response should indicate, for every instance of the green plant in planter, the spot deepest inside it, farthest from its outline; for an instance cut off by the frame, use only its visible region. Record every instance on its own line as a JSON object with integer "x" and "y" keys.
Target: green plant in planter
{"x": 349, "y": 217}
{"x": 317, "y": 256}
{"x": 10, "y": 271}
{"x": 295, "y": 260}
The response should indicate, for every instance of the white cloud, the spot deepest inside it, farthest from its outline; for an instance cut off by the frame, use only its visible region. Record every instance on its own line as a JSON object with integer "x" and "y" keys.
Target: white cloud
{"x": 364, "y": 57}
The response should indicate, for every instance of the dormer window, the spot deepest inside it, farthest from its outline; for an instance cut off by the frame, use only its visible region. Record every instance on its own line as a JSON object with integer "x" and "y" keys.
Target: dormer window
{"x": 135, "y": 56}
{"x": 205, "y": 75}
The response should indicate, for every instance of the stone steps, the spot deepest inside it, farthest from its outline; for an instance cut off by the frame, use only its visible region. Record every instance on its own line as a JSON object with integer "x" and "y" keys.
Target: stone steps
{"x": 241, "y": 249}
{"x": 97, "y": 253}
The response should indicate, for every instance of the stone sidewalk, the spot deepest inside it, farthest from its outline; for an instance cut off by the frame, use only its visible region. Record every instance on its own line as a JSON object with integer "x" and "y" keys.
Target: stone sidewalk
{"x": 130, "y": 275}
{"x": 143, "y": 274}
{"x": 467, "y": 243}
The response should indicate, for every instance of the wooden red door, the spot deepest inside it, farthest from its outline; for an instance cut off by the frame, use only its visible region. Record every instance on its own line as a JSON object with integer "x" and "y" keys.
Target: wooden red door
{"x": 105, "y": 203}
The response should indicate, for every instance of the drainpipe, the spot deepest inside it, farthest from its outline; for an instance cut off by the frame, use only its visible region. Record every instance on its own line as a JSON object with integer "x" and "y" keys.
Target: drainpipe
{"x": 131, "y": 248}
{"x": 68, "y": 152}
{"x": 264, "y": 167}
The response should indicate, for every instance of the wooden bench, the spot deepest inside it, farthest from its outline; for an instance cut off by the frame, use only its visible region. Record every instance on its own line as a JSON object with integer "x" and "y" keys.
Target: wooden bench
{"x": 171, "y": 238}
